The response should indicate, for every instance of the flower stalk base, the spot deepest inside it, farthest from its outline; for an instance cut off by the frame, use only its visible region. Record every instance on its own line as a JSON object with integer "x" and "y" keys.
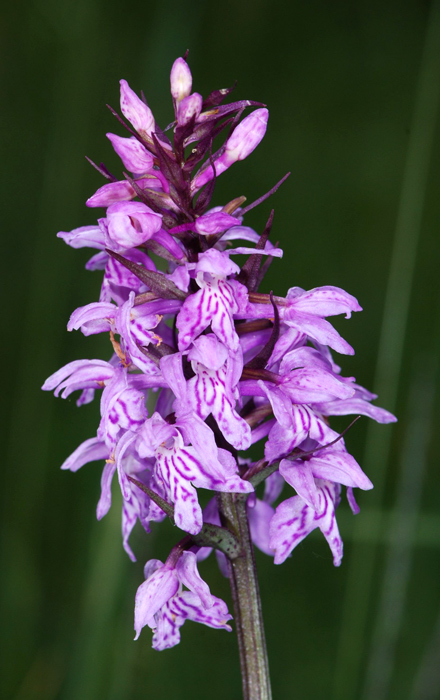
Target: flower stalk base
{"x": 247, "y": 603}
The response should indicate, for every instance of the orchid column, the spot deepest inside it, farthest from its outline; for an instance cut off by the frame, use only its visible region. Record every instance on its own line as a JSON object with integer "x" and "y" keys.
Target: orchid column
{"x": 228, "y": 367}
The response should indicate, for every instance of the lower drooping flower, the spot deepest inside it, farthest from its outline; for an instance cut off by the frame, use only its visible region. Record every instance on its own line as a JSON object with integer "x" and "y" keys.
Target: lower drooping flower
{"x": 162, "y": 604}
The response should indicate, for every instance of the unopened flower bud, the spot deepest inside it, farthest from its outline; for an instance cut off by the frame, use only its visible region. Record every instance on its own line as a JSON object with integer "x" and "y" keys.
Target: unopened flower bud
{"x": 180, "y": 79}
{"x": 110, "y": 193}
{"x": 245, "y": 138}
{"x": 214, "y": 222}
{"x": 136, "y": 111}
{"x": 120, "y": 191}
{"x": 247, "y": 135}
{"x": 133, "y": 154}
{"x": 188, "y": 108}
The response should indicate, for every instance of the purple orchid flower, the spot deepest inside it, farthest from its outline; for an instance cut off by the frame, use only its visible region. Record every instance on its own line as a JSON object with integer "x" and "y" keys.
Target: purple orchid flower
{"x": 215, "y": 303}
{"x": 133, "y": 154}
{"x": 187, "y": 458}
{"x": 213, "y": 389}
{"x": 84, "y": 375}
{"x": 136, "y": 111}
{"x": 162, "y": 604}
{"x": 245, "y": 138}
{"x": 122, "y": 190}
{"x": 331, "y": 464}
{"x": 303, "y": 313}
{"x": 180, "y": 79}
{"x": 129, "y": 224}
{"x": 189, "y": 109}
{"x": 220, "y": 365}
{"x": 294, "y": 519}
{"x": 137, "y": 326}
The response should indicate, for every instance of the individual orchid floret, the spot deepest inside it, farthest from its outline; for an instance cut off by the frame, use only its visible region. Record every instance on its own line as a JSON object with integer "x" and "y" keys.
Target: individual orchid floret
{"x": 293, "y": 425}
{"x": 306, "y": 312}
{"x": 213, "y": 389}
{"x": 208, "y": 224}
{"x": 122, "y": 191}
{"x": 136, "y": 506}
{"x": 136, "y": 325}
{"x": 123, "y": 399}
{"x": 303, "y": 317}
{"x": 163, "y": 605}
{"x": 214, "y": 222}
{"x": 294, "y": 519}
{"x": 133, "y": 154}
{"x": 244, "y": 139}
{"x": 84, "y": 237}
{"x": 123, "y": 406}
{"x": 182, "y": 467}
{"x": 180, "y": 79}
{"x": 129, "y": 224}
{"x": 79, "y": 375}
{"x": 301, "y": 385}
{"x": 136, "y": 111}
{"x": 215, "y": 303}
{"x": 331, "y": 464}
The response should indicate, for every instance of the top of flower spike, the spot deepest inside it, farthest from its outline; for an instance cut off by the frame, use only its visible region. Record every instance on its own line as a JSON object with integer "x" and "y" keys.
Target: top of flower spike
{"x": 165, "y": 175}
{"x": 180, "y": 79}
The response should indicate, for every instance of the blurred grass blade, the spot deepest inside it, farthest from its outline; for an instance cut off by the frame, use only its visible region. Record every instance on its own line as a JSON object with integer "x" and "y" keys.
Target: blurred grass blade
{"x": 427, "y": 682}
{"x": 389, "y": 361}
{"x": 88, "y": 668}
{"x": 28, "y": 452}
{"x": 389, "y": 615}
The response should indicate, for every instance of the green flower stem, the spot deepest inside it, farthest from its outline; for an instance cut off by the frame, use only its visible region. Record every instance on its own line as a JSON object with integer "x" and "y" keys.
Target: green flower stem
{"x": 247, "y": 604}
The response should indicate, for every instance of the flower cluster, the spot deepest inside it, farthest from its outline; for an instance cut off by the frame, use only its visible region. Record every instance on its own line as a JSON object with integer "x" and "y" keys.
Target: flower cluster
{"x": 228, "y": 366}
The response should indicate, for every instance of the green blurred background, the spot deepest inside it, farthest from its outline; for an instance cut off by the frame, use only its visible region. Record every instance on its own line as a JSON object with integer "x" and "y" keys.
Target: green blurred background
{"x": 353, "y": 92}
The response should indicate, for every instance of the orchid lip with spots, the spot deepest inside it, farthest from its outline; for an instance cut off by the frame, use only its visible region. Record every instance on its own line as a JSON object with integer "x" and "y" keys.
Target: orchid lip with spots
{"x": 227, "y": 365}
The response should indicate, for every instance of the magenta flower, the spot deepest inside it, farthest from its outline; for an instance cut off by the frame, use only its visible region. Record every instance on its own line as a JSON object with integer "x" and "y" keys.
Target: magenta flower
{"x": 187, "y": 458}
{"x": 133, "y": 154}
{"x": 239, "y": 146}
{"x": 122, "y": 191}
{"x": 180, "y": 79}
{"x": 203, "y": 366}
{"x": 138, "y": 114}
{"x": 215, "y": 303}
{"x": 129, "y": 224}
{"x": 294, "y": 519}
{"x": 163, "y": 605}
